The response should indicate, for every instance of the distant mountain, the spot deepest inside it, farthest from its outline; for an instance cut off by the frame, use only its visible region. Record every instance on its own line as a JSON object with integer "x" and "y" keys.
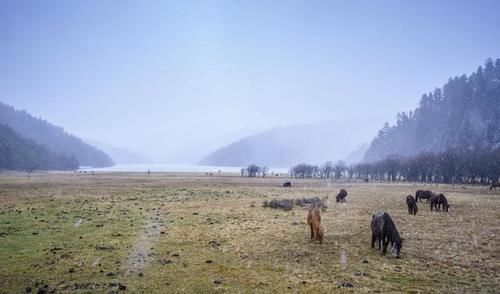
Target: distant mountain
{"x": 52, "y": 137}
{"x": 463, "y": 115}
{"x": 357, "y": 154}
{"x": 120, "y": 155}
{"x": 287, "y": 146}
{"x": 18, "y": 153}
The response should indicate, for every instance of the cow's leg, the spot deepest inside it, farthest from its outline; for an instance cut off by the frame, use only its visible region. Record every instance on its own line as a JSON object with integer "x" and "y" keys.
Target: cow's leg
{"x": 312, "y": 232}
{"x": 374, "y": 238}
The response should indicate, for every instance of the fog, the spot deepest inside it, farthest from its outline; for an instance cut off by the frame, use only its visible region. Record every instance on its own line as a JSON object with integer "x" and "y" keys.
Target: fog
{"x": 176, "y": 80}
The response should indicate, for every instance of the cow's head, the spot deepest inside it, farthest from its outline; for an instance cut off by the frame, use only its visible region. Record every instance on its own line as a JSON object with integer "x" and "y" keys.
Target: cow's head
{"x": 396, "y": 248}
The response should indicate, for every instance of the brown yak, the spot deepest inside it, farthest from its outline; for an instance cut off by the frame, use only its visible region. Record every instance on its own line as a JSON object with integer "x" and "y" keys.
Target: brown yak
{"x": 314, "y": 221}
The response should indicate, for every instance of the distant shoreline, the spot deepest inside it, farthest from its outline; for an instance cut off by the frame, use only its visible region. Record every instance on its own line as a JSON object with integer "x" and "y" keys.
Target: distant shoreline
{"x": 177, "y": 168}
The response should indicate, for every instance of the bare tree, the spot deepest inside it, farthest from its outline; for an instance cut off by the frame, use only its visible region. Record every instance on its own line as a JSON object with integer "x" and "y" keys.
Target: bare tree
{"x": 339, "y": 168}
{"x": 303, "y": 170}
{"x": 326, "y": 169}
{"x": 252, "y": 170}
{"x": 264, "y": 171}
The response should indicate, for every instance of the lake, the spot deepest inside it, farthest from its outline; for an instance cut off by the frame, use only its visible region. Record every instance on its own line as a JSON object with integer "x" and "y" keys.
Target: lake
{"x": 176, "y": 168}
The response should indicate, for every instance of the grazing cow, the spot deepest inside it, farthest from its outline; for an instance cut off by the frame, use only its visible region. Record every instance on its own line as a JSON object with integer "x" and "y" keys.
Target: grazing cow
{"x": 444, "y": 202}
{"x": 494, "y": 186}
{"x": 314, "y": 221}
{"x": 423, "y": 194}
{"x": 384, "y": 230}
{"x": 412, "y": 205}
{"x": 341, "y": 196}
{"x": 287, "y": 184}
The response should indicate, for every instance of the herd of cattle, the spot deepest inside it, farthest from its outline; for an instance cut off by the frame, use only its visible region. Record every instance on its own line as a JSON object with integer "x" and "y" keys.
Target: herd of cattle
{"x": 383, "y": 229}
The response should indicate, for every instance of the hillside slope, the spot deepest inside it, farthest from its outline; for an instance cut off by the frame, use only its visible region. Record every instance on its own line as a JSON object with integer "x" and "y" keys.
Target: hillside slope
{"x": 52, "y": 137}
{"x": 17, "y": 153}
{"x": 120, "y": 155}
{"x": 462, "y": 115}
{"x": 287, "y": 146}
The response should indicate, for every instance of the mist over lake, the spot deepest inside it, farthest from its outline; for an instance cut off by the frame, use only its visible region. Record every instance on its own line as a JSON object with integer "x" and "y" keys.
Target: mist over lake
{"x": 185, "y": 168}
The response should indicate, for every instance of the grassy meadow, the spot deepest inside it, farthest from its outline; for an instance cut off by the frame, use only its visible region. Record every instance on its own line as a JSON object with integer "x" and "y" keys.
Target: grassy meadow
{"x": 170, "y": 233}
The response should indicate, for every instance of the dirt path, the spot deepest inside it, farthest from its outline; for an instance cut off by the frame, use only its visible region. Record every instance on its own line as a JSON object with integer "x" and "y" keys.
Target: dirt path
{"x": 142, "y": 250}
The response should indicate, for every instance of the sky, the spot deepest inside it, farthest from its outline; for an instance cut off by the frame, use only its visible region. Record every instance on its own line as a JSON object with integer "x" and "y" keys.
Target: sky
{"x": 175, "y": 80}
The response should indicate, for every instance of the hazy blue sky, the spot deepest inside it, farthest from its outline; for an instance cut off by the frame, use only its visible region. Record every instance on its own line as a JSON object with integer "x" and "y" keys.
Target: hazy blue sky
{"x": 175, "y": 79}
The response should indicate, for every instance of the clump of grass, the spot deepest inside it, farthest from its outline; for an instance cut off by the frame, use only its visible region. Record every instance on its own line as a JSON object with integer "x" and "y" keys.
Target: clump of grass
{"x": 287, "y": 204}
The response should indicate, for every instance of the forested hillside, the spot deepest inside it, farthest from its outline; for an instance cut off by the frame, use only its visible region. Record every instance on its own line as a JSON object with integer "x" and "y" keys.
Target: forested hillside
{"x": 52, "y": 137}
{"x": 17, "y": 153}
{"x": 463, "y": 115}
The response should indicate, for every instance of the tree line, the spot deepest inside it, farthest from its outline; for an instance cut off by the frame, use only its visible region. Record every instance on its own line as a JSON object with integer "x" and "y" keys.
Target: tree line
{"x": 452, "y": 166}
{"x": 326, "y": 170}
{"x": 253, "y": 171}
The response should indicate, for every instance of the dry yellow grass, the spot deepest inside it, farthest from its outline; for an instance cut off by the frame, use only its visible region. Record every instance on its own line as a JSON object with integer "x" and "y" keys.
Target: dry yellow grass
{"x": 195, "y": 233}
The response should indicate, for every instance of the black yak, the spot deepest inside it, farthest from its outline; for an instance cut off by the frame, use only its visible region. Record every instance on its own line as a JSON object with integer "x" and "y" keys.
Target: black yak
{"x": 384, "y": 230}
{"x": 434, "y": 199}
{"x": 412, "y": 205}
{"x": 442, "y": 201}
{"x": 423, "y": 194}
{"x": 287, "y": 184}
{"x": 494, "y": 186}
{"x": 341, "y": 196}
